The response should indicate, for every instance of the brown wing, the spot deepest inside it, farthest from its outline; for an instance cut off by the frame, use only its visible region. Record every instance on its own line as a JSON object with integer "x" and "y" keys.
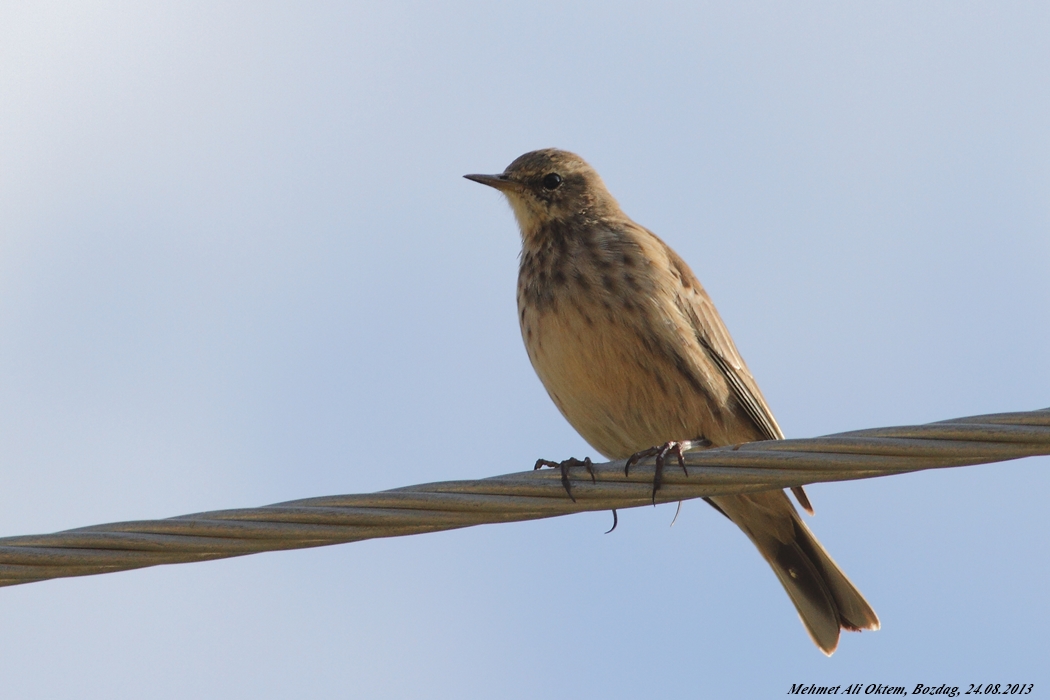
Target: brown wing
{"x": 713, "y": 336}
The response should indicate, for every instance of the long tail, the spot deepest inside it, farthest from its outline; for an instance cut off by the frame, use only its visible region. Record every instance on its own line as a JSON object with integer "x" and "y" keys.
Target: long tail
{"x": 825, "y": 599}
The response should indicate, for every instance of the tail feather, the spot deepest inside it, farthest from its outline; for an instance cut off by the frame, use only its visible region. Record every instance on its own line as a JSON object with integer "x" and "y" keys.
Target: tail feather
{"x": 824, "y": 597}
{"x": 855, "y": 613}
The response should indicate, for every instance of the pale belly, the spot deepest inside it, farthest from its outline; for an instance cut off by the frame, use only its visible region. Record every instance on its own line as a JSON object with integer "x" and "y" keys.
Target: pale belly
{"x": 621, "y": 393}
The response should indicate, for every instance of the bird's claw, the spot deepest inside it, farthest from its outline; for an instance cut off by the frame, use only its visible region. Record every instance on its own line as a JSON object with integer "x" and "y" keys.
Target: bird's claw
{"x": 564, "y": 467}
{"x": 673, "y": 447}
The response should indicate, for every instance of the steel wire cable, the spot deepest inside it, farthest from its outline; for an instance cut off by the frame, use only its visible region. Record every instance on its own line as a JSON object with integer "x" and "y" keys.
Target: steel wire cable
{"x": 315, "y": 522}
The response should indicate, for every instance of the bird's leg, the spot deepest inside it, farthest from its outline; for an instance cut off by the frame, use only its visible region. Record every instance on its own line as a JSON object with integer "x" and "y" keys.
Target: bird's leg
{"x": 564, "y": 467}
{"x": 673, "y": 447}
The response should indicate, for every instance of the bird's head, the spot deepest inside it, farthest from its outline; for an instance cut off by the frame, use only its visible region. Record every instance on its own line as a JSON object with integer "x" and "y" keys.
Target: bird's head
{"x": 551, "y": 185}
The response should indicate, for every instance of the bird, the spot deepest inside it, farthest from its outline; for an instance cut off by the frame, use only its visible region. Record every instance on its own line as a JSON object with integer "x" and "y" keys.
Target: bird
{"x": 632, "y": 351}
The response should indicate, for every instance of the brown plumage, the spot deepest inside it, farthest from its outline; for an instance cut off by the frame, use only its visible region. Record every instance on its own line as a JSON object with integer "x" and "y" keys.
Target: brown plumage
{"x": 634, "y": 354}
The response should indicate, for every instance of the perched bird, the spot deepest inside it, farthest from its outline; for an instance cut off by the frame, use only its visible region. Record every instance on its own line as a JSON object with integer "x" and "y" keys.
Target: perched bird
{"x": 633, "y": 353}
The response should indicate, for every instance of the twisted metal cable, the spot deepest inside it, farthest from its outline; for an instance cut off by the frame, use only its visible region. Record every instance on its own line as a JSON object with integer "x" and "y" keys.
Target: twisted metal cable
{"x": 315, "y": 522}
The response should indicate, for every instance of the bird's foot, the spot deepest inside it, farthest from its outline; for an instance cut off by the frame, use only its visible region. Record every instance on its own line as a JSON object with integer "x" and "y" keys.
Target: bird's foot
{"x": 564, "y": 467}
{"x": 661, "y": 452}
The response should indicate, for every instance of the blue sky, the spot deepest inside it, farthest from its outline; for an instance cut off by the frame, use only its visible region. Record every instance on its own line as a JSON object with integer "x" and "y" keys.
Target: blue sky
{"x": 239, "y": 265}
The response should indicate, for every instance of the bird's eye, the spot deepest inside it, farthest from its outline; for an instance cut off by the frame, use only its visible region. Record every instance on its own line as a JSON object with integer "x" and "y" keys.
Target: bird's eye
{"x": 551, "y": 181}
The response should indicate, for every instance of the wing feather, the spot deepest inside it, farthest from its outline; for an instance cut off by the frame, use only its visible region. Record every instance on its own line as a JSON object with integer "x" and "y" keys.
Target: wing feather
{"x": 714, "y": 338}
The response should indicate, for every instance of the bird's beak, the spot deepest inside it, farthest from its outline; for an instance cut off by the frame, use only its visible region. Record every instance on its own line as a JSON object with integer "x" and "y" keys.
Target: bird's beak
{"x": 500, "y": 182}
